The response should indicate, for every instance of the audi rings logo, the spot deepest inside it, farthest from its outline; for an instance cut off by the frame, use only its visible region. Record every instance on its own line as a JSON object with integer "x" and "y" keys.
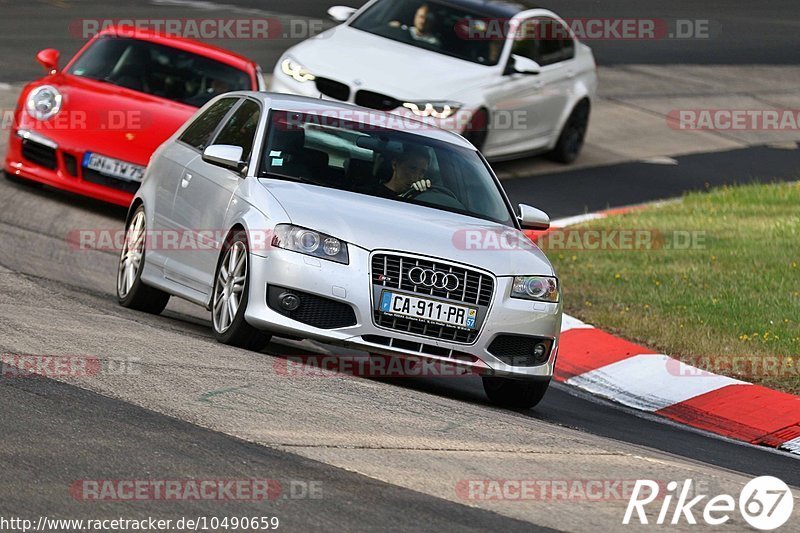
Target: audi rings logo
{"x": 427, "y": 277}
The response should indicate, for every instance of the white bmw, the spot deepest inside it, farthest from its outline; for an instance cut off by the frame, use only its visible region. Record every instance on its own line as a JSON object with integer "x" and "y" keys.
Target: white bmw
{"x": 511, "y": 78}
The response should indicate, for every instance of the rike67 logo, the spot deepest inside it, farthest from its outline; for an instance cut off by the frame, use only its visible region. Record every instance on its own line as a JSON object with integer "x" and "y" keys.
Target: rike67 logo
{"x": 766, "y": 503}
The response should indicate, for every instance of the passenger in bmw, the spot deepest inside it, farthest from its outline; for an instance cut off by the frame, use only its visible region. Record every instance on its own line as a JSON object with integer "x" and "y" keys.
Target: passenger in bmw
{"x": 408, "y": 175}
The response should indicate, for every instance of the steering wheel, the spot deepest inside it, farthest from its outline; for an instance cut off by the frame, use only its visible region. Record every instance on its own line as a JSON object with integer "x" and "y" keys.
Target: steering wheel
{"x": 413, "y": 193}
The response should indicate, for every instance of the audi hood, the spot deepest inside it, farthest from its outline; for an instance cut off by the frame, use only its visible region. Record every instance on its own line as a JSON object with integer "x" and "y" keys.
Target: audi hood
{"x": 382, "y": 224}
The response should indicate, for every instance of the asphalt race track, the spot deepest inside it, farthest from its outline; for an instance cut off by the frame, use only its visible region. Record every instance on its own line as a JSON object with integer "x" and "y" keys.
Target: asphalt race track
{"x": 387, "y": 454}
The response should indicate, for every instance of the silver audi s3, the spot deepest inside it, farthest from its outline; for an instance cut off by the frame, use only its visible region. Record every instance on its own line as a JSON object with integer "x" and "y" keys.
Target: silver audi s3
{"x": 306, "y": 218}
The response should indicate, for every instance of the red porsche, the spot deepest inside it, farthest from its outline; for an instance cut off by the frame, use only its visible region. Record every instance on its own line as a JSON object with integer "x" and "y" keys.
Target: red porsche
{"x": 92, "y": 127}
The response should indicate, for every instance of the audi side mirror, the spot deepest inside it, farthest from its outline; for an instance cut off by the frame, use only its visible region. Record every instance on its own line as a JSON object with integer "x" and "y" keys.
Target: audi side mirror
{"x": 532, "y": 218}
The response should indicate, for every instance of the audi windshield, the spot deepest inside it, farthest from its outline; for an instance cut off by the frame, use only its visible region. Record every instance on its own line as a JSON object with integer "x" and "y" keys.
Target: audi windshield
{"x": 382, "y": 162}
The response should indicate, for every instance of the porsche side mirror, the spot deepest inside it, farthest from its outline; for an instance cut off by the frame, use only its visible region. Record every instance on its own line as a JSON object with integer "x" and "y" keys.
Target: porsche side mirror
{"x": 532, "y": 218}
{"x": 341, "y": 13}
{"x": 49, "y": 59}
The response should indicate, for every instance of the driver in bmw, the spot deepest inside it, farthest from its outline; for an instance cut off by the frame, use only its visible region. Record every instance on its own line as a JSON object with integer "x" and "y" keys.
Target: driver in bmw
{"x": 408, "y": 175}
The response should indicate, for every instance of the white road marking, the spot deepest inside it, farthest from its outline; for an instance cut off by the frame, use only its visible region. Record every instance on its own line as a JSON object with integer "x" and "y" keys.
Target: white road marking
{"x": 661, "y": 160}
{"x": 650, "y": 382}
{"x": 570, "y": 322}
{"x": 577, "y": 219}
{"x": 5, "y": 86}
{"x": 792, "y": 446}
{"x": 214, "y": 6}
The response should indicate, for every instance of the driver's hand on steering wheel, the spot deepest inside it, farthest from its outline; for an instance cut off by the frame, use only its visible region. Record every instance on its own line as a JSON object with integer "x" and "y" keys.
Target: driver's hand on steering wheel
{"x": 421, "y": 185}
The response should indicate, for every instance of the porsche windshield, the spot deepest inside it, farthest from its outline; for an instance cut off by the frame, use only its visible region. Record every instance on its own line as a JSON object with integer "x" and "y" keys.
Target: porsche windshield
{"x": 432, "y": 26}
{"x": 367, "y": 157}
{"x": 158, "y": 70}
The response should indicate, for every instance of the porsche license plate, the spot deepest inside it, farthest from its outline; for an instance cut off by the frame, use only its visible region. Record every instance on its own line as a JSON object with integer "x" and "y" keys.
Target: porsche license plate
{"x": 113, "y": 167}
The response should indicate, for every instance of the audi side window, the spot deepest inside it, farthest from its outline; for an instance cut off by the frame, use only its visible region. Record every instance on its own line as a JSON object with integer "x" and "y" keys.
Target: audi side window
{"x": 240, "y": 129}
{"x": 199, "y": 132}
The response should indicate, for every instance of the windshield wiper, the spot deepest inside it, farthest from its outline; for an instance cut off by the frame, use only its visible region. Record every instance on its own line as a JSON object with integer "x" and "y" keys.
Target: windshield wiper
{"x": 286, "y": 177}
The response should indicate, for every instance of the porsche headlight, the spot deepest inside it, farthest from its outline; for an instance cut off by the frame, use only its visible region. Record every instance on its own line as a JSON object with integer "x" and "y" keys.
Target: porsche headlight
{"x": 297, "y": 71}
{"x": 439, "y": 110}
{"x": 310, "y": 242}
{"x": 539, "y": 288}
{"x": 43, "y": 102}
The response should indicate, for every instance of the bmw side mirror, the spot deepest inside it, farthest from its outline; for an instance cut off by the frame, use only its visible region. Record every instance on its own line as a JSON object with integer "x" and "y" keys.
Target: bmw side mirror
{"x": 524, "y": 65}
{"x": 49, "y": 59}
{"x": 225, "y": 156}
{"x": 341, "y": 13}
{"x": 532, "y": 218}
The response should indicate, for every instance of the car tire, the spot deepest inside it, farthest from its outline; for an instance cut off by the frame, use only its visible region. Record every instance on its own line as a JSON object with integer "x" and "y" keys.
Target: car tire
{"x": 478, "y": 128}
{"x": 513, "y": 393}
{"x": 131, "y": 290}
{"x": 228, "y": 309}
{"x": 570, "y": 141}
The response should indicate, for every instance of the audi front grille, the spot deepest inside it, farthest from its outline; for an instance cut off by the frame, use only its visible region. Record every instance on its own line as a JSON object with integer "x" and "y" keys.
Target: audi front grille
{"x": 475, "y": 289}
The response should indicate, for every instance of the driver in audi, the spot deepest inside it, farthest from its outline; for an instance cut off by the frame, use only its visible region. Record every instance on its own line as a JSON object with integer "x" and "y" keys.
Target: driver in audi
{"x": 408, "y": 175}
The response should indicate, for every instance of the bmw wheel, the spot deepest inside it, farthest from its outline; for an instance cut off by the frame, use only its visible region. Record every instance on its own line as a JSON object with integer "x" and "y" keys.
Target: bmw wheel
{"x": 570, "y": 142}
{"x": 131, "y": 291}
{"x": 230, "y": 297}
{"x": 514, "y": 393}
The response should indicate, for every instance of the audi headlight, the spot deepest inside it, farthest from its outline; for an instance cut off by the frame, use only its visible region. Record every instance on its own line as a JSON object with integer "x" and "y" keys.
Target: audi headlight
{"x": 44, "y": 102}
{"x": 310, "y": 242}
{"x": 439, "y": 110}
{"x": 539, "y": 288}
{"x": 297, "y": 71}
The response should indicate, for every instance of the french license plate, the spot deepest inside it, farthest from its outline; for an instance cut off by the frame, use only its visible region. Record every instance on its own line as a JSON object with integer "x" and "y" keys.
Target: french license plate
{"x": 427, "y": 310}
{"x": 113, "y": 167}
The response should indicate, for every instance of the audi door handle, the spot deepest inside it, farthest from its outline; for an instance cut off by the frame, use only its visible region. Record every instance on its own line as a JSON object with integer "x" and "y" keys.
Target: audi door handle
{"x": 187, "y": 178}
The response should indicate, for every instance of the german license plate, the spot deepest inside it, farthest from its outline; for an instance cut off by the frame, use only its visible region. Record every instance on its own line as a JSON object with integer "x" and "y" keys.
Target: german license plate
{"x": 427, "y": 310}
{"x": 113, "y": 167}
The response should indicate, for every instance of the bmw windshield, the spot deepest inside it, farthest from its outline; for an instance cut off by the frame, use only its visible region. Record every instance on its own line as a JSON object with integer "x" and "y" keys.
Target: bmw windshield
{"x": 369, "y": 158}
{"x": 432, "y": 26}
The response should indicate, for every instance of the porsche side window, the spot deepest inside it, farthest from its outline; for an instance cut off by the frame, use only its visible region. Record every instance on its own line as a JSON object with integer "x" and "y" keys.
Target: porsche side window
{"x": 241, "y": 128}
{"x": 199, "y": 132}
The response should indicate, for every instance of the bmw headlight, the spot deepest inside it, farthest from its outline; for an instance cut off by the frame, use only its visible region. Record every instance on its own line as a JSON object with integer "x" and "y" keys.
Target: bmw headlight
{"x": 439, "y": 110}
{"x": 298, "y": 72}
{"x": 310, "y": 242}
{"x": 44, "y": 102}
{"x": 539, "y": 288}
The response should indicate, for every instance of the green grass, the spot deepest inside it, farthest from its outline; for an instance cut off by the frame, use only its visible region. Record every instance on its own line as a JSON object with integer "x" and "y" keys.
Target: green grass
{"x": 736, "y": 292}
